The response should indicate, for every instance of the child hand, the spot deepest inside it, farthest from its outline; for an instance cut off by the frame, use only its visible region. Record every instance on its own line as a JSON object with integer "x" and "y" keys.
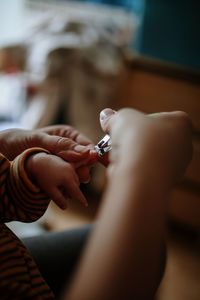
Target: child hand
{"x": 56, "y": 177}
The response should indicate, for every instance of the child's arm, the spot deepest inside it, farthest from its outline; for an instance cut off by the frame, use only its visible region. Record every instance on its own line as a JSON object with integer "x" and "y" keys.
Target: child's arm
{"x": 124, "y": 255}
{"x": 21, "y": 200}
{"x": 31, "y": 180}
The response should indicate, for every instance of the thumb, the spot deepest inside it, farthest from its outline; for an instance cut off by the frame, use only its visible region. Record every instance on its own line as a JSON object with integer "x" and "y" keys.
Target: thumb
{"x": 106, "y": 117}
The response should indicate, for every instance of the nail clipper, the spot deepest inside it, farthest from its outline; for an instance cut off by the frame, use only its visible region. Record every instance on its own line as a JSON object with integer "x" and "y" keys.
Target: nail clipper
{"x": 104, "y": 145}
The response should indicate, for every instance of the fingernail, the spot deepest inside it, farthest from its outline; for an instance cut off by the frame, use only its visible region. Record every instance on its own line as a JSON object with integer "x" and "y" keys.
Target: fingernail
{"x": 80, "y": 148}
{"x": 106, "y": 113}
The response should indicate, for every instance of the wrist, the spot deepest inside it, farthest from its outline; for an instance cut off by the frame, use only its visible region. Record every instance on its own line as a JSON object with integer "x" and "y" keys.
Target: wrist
{"x": 33, "y": 163}
{"x": 130, "y": 189}
{"x": 145, "y": 172}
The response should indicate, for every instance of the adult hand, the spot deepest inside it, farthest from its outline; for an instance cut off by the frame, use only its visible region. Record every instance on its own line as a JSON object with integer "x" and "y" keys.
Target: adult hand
{"x": 149, "y": 153}
{"x": 161, "y": 144}
{"x": 68, "y": 132}
{"x": 56, "y": 139}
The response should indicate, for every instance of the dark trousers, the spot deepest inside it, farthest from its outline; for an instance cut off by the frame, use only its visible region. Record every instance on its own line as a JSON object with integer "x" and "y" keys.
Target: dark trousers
{"x": 57, "y": 254}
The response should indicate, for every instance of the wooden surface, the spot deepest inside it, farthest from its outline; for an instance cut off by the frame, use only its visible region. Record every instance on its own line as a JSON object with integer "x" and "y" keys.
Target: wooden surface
{"x": 153, "y": 86}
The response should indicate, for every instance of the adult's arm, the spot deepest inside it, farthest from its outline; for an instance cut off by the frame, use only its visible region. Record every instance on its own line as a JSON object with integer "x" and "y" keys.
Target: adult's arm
{"x": 123, "y": 258}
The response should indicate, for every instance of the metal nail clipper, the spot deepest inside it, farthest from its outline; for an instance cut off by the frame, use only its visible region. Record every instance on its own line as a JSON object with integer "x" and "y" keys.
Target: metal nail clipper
{"x": 104, "y": 145}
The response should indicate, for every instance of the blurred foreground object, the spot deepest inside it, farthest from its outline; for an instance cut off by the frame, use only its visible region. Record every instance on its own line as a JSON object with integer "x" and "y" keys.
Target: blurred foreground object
{"x": 155, "y": 86}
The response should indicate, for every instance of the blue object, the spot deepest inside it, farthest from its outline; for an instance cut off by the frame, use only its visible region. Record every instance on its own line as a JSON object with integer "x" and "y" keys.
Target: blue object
{"x": 127, "y": 4}
{"x": 171, "y": 31}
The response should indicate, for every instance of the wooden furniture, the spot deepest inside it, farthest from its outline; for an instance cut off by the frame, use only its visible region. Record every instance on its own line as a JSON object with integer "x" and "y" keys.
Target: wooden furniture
{"x": 153, "y": 86}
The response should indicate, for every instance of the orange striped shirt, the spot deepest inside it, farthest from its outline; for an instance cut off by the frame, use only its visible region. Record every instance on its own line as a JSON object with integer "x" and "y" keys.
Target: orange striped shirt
{"x": 20, "y": 200}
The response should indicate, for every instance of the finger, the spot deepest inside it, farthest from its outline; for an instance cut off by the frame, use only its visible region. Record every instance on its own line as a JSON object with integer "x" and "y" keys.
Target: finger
{"x": 90, "y": 160}
{"x": 93, "y": 158}
{"x": 106, "y": 118}
{"x": 58, "y": 130}
{"x": 104, "y": 160}
{"x": 72, "y": 133}
{"x": 67, "y": 144}
{"x": 172, "y": 114}
{"x": 74, "y": 157}
{"x": 177, "y": 116}
{"x": 67, "y": 131}
{"x": 74, "y": 176}
{"x": 83, "y": 174}
{"x": 66, "y": 148}
{"x": 57, "y": 196}
{"x": 74, "y": 192}
{"x": 81, "y": 138}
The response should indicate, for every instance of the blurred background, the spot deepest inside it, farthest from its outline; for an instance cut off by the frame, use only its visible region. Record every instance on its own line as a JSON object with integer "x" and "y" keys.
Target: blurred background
{"x": 64, "y": 61}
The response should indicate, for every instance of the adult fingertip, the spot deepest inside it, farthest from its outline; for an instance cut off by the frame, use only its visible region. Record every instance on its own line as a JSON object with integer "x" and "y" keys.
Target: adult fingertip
{"x": 105, "y": 113}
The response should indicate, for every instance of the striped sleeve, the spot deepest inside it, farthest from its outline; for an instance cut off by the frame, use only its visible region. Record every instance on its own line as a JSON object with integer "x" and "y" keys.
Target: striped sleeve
{"x": 19, "y": 275}
{"x": 21, "y": 199}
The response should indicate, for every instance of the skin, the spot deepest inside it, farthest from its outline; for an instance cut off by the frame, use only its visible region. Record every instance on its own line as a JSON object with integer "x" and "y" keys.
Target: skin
{"x": 123, "y": 258}
{"x": 56, "y": 177}
{"x": 61, "y": 140}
